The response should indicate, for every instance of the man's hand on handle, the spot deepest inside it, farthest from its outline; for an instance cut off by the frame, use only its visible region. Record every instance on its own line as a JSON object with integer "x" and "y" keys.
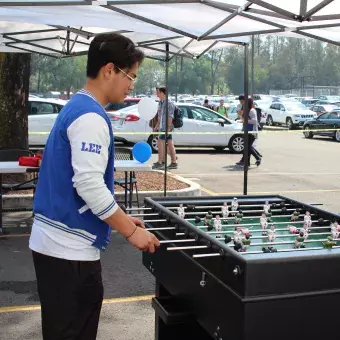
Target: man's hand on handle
{"x": 144, "y": 240}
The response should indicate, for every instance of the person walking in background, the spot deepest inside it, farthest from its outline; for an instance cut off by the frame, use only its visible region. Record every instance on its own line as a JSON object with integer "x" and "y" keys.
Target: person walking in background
{"x": 221, "y": 109}
{"x": 253, "y": 129}
{"x": 161, "y": 127}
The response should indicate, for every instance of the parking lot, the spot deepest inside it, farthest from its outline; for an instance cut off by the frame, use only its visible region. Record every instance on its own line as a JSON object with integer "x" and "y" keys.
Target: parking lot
{"x": 307, "y": 170}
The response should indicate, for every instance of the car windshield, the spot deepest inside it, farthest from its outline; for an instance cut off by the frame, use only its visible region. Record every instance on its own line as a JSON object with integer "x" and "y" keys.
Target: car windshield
{"x": 295, "y": 106}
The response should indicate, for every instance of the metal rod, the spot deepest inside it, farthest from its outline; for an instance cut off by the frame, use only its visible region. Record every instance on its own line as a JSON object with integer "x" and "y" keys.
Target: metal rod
{"x": 166, "y": 114}
{"x": 176, "y": 77}
{"x": 252, "y": 65}
{"x": 176, "y": 241}
{"x": 317, "y": 8}
{"x": 286, "y": 250}
{"x": 303, "y": 8}
{"x": 207, "y": 49}
{"x": 149, "y": 21}
{"x": 186, "y": 248}
{"x": 245, "y": 122}
{"x": 165, "y": 228}
{"x": 206, "y": 255}
{"x": 182, "y": 49}
{"x": 276, "y": 9}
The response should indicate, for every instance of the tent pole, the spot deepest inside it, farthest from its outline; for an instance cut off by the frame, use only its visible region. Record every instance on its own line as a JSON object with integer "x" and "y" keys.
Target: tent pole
{"x": 252, "y": 65}
{"x": 245, "y": 121}
{"x": 166, "y": 113}
{"x": 176, "y": 78}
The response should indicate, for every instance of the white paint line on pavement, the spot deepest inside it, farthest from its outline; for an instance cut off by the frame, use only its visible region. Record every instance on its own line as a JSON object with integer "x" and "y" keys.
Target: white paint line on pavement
{"x": 263, "y": 174}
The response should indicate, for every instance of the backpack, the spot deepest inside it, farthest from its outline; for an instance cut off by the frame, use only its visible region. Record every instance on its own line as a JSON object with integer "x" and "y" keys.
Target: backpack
{"x": 178, "y": 118}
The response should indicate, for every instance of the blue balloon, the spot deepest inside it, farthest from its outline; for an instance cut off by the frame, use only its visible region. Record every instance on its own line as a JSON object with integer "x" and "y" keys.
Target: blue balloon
{"x": 141, "y": 152}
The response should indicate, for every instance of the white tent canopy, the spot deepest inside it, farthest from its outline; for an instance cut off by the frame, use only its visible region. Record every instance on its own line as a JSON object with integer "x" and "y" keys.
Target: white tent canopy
{"x": 191, "y": 27}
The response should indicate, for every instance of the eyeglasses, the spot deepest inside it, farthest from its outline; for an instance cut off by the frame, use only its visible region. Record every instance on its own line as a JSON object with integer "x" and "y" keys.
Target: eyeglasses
{"x": 131, "y": 78}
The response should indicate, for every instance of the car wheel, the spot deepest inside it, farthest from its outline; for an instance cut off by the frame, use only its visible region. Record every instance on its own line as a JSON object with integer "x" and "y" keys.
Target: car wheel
{"x": 337, "y": 135}
{"x": 307, "y": 132}
{"x": 289, "y": 123}
{"x": 236, "y": 144}
{"x": 270, "y": 121}
{"x": 152, "y": 141}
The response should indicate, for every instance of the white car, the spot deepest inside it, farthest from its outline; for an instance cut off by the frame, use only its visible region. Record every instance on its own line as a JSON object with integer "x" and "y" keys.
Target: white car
{"x": 41, "y": 117}
{"x": 225, "y": 133}
{"x": 288, "y": 113}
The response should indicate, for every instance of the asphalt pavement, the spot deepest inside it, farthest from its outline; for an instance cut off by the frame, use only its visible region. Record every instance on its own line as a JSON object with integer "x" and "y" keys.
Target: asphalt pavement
{"x": 307, "y": 170}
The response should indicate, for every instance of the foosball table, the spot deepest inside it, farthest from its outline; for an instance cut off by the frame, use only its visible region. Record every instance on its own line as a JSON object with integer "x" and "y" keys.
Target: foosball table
{"x": 243, "y": 268}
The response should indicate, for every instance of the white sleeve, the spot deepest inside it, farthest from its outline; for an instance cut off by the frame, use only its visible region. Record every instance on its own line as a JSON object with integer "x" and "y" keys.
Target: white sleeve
{"x": 90, "y": 139}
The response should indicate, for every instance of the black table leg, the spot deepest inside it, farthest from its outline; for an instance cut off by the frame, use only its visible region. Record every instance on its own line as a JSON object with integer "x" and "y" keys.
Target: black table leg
{"x": 1, "y": 231}
{"x": 131, "y": 190}
{"x": 126, "y": 189}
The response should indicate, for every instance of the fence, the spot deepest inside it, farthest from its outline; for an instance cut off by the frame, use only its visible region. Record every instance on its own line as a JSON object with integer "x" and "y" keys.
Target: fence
{"x": 311, "y": 91}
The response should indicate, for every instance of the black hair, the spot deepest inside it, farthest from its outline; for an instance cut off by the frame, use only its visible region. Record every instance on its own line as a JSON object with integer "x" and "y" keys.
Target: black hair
{"x": 250, "y": 103}
{"x": 162, "y": 89}
{"x": 112, "y": 48}
{"x": 241, "y": 97}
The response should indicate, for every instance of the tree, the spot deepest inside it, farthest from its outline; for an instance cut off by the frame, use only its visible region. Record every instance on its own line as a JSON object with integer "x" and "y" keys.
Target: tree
{"x": 14, "y": 89}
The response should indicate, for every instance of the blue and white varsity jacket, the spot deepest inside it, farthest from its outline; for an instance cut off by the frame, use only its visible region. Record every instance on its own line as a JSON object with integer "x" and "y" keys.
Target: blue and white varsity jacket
{"x": 75, "y": 187}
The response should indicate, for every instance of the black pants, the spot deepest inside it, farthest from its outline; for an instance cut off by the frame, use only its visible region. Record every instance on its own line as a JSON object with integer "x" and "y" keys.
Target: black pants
{"x": 251, "y": 150}
{"x": 71, "y": 295}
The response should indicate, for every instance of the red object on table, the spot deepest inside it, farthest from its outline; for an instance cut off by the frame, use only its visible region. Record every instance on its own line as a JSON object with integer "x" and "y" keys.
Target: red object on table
{"x": 33, "y": 161}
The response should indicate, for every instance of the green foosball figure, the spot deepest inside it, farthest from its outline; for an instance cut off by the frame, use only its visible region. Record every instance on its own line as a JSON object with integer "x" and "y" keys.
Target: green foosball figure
{"x": 295, "y": 216}
{"x": 299, "y": 242}
{"x": 208, "y": 218}
{"x": 329, "y": 244}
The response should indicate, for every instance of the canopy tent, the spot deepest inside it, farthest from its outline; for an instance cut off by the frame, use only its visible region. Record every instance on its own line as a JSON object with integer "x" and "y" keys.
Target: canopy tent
{"x": 164, "y": 28}
{"x": 190, "y": 26}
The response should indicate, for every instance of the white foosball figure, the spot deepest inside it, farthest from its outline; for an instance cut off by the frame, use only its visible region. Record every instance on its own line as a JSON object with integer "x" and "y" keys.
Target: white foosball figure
{"x": 234, "y": 205}
{"x": 334, "y": 231}
{"x": 304, "y": 231}
{"x": 308, "y": 219}
{"x": 292, "y": 229}
{"x": 335, "y": 225}
{"x": 225, "y": 210}
{"x": 271, "y": 234}
{"x": 263, "y": 221}
{"x": 266, "y": 208}
{"x": 180, "y": 211}
{"x": 237, "y": 236}
{"x": 218, "y": 225}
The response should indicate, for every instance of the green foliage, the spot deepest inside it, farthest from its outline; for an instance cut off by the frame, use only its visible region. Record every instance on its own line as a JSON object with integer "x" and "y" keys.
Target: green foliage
{"x": 279, "y": 63}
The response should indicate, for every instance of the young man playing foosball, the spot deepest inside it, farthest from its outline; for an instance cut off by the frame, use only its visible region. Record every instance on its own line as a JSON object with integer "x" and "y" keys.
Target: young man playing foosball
{"x": 75, "y": 208}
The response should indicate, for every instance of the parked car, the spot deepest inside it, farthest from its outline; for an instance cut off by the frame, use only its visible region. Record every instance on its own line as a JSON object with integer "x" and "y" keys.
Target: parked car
{"x": 327, "y": 124}
{"x": 320, "y": 109}
{"x": 309, "y": 102}
{"x": 128, "y": 101}
{"x": 288, "y": 113}
{"x": 41, "y": 117}
{"x": 225, "y": 132}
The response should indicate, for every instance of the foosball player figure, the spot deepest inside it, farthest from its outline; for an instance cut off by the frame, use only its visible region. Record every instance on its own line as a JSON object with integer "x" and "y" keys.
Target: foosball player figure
{"x": 225, "y": 210}
{"x": 266, "y": 208}
{"x": 295, "y": 216}
{"x": 271, "y": 234}
{"x": 299, "y": 242}
{"x": 329, "y": 244}
{"x": 308, "y": 219}
{"x": 245, "y": 243}
{"x": 218, "y": 225}
{"x": 334, "y": 231}
{"x": 245, "y": 232}
{"x": 227, "y": 239}
{"x": 292, "y": 229}
{"x": 335, "y": 225}
{"x": 197, "y": 220}
{"x": 208, "y": 218}
{"x": 305, "y": 231}
{"x": 264, "y": 223}
{"x": 238, "y": 217}
{"x": 234, "y": 205}
{"x": 180, "y": 211}
{"x": 269, "y": 250}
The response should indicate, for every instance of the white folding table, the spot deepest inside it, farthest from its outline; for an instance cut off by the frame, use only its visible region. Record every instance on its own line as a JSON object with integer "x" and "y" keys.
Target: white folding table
{"x": 126, "y": 166}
